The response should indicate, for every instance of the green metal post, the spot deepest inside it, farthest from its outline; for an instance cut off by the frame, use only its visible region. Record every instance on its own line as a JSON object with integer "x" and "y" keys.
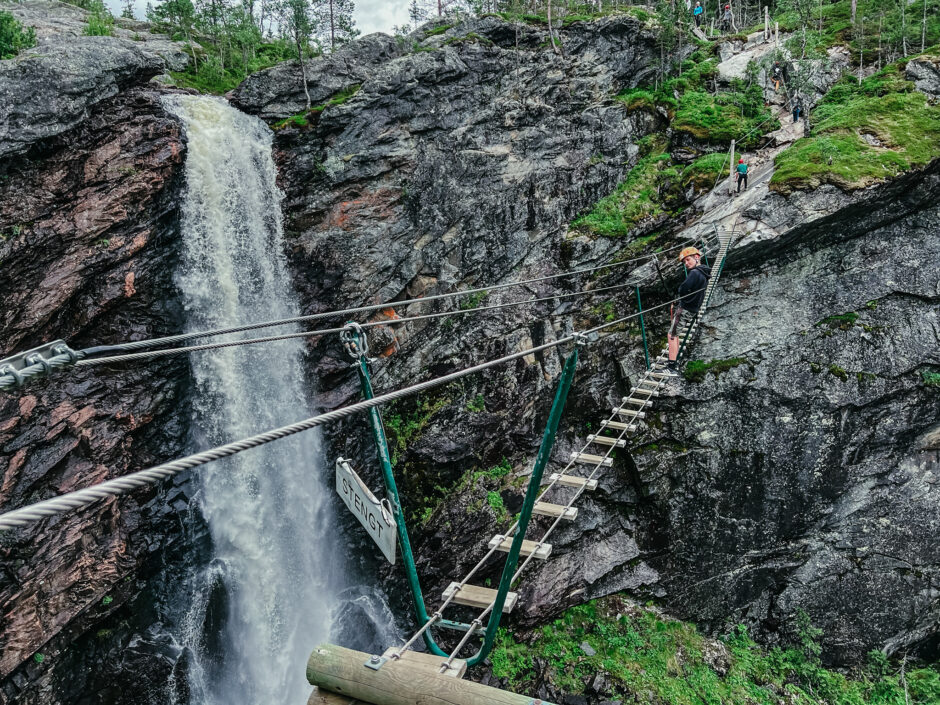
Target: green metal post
{"x": 704, "y": 256}
{"x": 535, "y": 482}
{"x": 646, "y": 350}
{"x": 381, "y": 443}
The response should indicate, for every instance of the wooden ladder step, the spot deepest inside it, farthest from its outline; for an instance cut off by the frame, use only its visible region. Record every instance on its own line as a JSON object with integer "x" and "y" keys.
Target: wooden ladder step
{"x": 481, "y": 597}
{"x": 589, "y": 459}
{"x": 627, "y": 412}
{"x": 529, "y": 548}
{"x": 607, "y": 441}
{"x": 658, "y": 375}
{"x": 573, "y": 481}
{"x": 631, "y": 400}
{"x": 618, "y": 426}
{"x": 547, "y": 509}
{"x": 647, "y": 392}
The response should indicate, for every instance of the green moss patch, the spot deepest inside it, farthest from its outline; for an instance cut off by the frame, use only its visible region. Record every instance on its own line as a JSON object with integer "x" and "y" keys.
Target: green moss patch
{"x": 705, "y": 172}
{"x": 722, "y": 117}
{"x": 653, "y": 659}
{"x": 696, "y": 370}
{"x": 863, "y": 134}
{"x": 303, "y": 119}
{"x": 635, "y": 199}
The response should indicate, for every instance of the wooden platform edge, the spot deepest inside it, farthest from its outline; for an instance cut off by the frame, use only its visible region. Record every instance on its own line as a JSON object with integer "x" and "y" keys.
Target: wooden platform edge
{"x": 337, "y": 671}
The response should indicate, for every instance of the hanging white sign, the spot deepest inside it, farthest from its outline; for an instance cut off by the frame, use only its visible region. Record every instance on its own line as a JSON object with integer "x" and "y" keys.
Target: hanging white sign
{"x": 374, "y": 515}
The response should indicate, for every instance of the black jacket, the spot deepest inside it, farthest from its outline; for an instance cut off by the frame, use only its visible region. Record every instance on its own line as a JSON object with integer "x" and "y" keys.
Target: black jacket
{"x": 692, "y": 290}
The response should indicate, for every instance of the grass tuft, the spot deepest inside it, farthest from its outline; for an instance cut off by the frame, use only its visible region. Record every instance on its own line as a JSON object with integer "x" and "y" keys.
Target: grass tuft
{"x": 862, "y": 134}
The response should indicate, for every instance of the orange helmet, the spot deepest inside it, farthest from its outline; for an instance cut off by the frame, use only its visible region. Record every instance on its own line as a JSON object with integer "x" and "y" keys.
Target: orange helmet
{"x": 689, "y": 251}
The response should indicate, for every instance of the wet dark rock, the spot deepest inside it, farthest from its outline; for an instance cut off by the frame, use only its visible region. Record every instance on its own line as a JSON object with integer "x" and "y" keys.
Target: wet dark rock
{"x": 89, "y": 238}
{"x": 462, "y": 166}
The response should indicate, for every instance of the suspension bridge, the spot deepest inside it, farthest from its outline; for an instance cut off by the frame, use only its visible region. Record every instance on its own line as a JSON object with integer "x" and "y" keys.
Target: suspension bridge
{"x": 402, "y": 674}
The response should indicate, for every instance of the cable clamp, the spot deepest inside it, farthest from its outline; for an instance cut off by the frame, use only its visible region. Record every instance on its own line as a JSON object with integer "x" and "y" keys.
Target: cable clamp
{"x": 35, "y": 361}
{"x": 580, "y": 339}
{"x": 14, "y": 373}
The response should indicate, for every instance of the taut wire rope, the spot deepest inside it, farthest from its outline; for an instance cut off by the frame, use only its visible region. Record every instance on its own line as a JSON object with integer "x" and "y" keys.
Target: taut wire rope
{"x": 120, "y": 485}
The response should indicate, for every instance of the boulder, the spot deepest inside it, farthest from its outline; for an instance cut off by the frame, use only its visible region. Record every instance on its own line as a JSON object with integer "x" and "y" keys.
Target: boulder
{"x": 48, "y": 90}
{"x": 924, "y": 71}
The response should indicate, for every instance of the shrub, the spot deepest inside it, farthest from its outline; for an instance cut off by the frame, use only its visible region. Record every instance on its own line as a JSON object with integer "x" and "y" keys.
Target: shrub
{"x": 14, "y": 37}
{"x": 100, "y": 20}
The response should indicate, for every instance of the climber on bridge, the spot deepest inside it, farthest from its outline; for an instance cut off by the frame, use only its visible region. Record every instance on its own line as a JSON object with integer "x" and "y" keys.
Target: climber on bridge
{"x": 725, "y": 22}
{"x": 742, "y": 174}
{"x": 691, "y": 295}
{"x": 697, "y": 14}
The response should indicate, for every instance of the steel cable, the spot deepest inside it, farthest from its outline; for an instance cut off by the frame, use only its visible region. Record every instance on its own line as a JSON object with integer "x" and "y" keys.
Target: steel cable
{"x": 120, "y": 485}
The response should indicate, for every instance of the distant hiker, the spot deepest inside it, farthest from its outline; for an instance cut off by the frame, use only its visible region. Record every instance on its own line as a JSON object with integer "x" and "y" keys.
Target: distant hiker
{"x": 797, "y": 109}
{"x": 725, "y": 23}
{"x": 742, "y": 174}
{"x": 777, "y": 76}
{"x": 691, "y": 295}
{"x": 697, "y": 14}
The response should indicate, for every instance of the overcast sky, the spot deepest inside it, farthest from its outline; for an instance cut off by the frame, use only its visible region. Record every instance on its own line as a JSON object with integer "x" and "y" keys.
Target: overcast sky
{"x": 371, "y": 15}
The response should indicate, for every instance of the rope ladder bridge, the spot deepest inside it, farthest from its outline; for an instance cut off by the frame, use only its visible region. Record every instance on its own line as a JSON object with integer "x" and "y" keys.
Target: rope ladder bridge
{"x": 403, "y": 676}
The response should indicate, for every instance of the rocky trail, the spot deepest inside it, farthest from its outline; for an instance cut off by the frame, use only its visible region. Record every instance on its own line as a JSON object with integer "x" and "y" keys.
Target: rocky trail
{"x": 724, "y": 207}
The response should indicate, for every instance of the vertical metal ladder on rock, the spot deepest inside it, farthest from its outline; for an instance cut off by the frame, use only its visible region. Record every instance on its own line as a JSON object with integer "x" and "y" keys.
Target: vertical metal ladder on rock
{"x": 337, "y": 672}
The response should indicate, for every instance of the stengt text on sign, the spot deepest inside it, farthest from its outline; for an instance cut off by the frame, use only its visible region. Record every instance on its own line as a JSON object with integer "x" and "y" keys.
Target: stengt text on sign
{"x": 375, "y": 516}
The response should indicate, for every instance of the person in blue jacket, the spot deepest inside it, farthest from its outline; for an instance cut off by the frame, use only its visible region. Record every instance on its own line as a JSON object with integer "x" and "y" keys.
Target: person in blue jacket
{"x": 697, "y": 13}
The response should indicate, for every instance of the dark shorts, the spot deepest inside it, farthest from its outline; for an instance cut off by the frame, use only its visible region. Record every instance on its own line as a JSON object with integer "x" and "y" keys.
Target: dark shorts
{"x": 678, "y": 313}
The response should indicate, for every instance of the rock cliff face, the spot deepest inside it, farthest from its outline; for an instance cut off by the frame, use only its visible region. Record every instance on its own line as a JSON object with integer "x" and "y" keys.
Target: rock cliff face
{"x": 88, "y": 237}
{"x": 802, "y": 476}
{"x": 805, "y": 477}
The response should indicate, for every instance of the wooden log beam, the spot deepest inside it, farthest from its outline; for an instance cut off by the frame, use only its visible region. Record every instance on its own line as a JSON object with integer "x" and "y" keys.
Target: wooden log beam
{"x": 343, "y": 671}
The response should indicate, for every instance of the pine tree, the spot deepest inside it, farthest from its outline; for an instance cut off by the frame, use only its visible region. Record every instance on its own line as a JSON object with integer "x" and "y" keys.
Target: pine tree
{"x": 337, "y": 25}
{"x": 128, "y": 11}
{"x": 298, "y": 20}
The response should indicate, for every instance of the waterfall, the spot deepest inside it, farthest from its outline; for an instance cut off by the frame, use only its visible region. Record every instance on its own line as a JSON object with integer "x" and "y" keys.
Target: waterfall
{"x": 270, "y": 588}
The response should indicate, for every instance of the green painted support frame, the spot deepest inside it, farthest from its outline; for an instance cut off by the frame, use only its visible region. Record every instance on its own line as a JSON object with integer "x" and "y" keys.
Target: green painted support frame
{"x": 359, "y": 350}
{"x": 532, "y": 492}
{"x": 385, "y": 460}
{"x": 639, "y": 305}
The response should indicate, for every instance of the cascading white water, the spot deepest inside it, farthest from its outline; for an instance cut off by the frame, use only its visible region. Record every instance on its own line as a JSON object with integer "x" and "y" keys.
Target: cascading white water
{"x": 267, "y": 510}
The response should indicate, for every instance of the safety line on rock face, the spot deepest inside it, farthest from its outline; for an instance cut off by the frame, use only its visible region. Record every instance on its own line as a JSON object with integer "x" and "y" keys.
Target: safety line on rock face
{"x": 12, "y": 378}
{"x": 120, "y": 485}
{"x": 629, "y": 427}
{"x": 141, "y": 344}
{"x": 326, "y": 331}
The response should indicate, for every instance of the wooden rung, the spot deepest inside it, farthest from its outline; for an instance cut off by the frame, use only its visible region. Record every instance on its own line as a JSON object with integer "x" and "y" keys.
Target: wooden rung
{"x": 626, "y": 412}
{"x": 605, "y": 441}
{"x": 647, "y": 392}
{"x": 592, "y": 459}
{"x": 428, "y": 663}
{"x": 658, "y": 375}
{"x": 649, "y": 383}
{"x": 631, "y": 400}
{"x": 504, "y": 543}
{"x": 547, "y": 509}
{"x": 481, "y": 597}
{"x": 618, "y": 426}
{"x": 573, "y": 481}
